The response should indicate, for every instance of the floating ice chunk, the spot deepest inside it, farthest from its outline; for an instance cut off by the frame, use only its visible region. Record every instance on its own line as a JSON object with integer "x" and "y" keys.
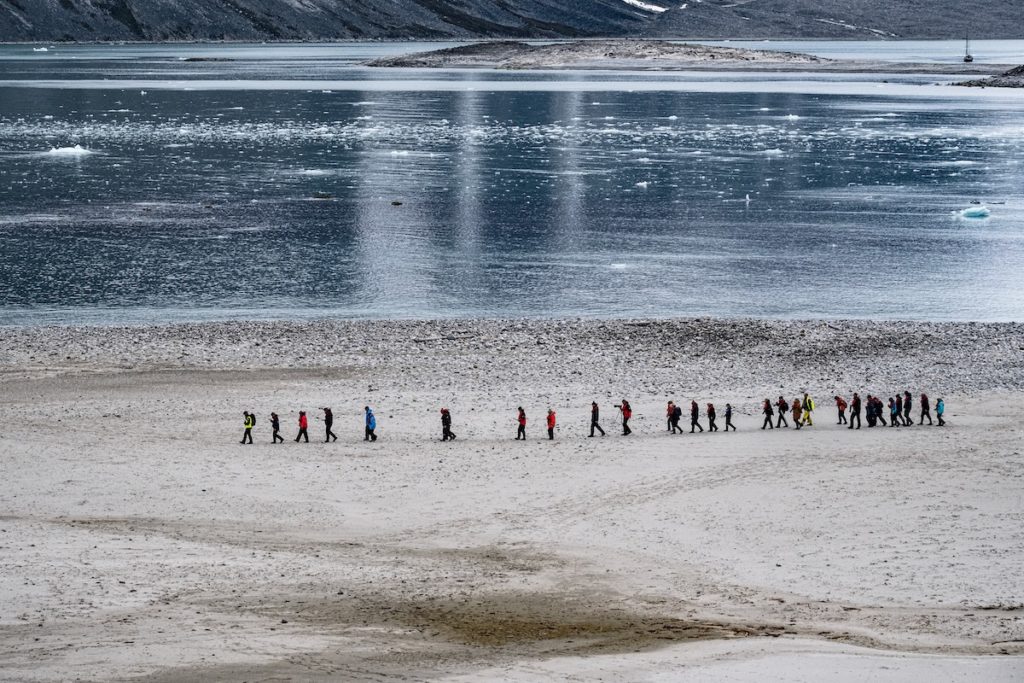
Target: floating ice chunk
{"x": 976, "y": 212}
{"x": 76, "y": 151}
{"x": 792, "y": 117}
{"x": 39, "y": 49}
{"x": 775, "y": 152}
{"x": 643, "y": 184}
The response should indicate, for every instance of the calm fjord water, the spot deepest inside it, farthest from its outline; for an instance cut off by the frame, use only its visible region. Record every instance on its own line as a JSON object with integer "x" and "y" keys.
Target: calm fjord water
{"x": 287, "y": 181}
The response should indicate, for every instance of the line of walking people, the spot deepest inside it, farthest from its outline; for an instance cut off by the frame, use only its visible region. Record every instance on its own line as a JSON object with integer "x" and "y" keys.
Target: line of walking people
{"x": 899, "y": 408}
{"x": 369, "y": 426}
{"x": 801, "y": 410}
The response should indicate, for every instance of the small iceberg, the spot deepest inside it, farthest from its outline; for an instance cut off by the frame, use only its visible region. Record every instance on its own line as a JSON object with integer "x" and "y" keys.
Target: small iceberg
{"x": 76, "y": 151}
{"x": 40, "y": 49}
{"x": 976, "y": 212}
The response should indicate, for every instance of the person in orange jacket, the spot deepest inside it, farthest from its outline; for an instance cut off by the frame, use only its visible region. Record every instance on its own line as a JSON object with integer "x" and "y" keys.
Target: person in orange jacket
{"x": 303, "y": 426}
{"x": 797, "y": 413}
{"x": 551, "y": 424}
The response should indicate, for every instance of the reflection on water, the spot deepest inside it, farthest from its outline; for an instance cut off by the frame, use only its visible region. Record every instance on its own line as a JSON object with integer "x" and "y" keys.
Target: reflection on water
{"x": 472, "y": 200}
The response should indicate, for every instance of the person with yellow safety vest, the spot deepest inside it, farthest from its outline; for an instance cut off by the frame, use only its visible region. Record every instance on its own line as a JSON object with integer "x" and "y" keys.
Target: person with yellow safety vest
{"x": 808, "y": 409}
{"x": 250, "y": 422}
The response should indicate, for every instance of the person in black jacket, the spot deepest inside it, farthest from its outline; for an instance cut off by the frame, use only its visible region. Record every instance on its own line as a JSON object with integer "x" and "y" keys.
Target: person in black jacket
{"x": 328, "y": 421}
{"x": 712, "y": 427}
{"x": 677, "y": 415}
{"x": 855, "y": 410}
{"x": 783, "y": 407}
{"x": 694, "y": 413}
{"x": 728, "y": 418}
{"x": 446, "y": 426}
{"x": 766, "y": 408}
{"x": 595, "y": 414}
{"x": 275, "y": 424}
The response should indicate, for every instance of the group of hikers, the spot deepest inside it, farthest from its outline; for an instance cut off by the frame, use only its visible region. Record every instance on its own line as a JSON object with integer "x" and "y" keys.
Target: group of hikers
{"x": 873, "y": 408}
{"x": 369, "y": 423}
{"x": 801, "y": 409}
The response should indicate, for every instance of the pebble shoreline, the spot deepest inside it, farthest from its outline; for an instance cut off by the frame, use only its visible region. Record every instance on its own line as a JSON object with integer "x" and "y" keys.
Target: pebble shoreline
{"x": 630, "y": 355}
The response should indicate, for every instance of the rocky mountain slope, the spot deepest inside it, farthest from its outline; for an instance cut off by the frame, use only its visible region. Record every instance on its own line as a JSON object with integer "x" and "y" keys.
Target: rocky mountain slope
{"x": 23, "y": 20}
{"x": 52, "y": 20}
{"x": 838, "y": 19}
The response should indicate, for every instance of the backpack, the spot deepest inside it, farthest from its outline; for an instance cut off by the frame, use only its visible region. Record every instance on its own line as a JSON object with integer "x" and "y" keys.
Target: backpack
{"x": 677, "y": 412}
{"x": 783, "y": 406}
{"x": 252, "y": 419}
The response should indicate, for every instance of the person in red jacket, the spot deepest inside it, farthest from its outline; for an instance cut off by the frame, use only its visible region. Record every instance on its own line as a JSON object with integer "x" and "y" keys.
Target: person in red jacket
{"x": 551, "y": 424}
{"x": 627, "y": 412}
{"x": 521, "y": 419}
{"x": 841, "y": 408}
{"x": 303, "y": 426}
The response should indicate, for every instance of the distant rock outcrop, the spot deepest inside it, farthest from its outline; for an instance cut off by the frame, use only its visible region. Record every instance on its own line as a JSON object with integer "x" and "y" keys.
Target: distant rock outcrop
{"x": 1014, "y": 78}
{"x": 594, "y": 53}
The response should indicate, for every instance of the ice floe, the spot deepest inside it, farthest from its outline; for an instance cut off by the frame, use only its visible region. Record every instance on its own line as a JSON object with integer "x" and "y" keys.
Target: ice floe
{"x": 76, "y": 151}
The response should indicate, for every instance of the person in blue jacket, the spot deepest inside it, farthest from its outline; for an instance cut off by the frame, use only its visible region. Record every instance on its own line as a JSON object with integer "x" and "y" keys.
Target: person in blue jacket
{"x": 371, "y": 424}
{"x": 940, "y": 408}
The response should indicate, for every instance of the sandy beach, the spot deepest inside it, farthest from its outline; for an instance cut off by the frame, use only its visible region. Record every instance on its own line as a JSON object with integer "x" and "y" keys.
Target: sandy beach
{"x": 141, "y": 541}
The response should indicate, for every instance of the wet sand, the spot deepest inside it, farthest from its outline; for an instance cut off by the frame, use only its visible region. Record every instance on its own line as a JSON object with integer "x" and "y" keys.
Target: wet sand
{"x": 141, "y": 540}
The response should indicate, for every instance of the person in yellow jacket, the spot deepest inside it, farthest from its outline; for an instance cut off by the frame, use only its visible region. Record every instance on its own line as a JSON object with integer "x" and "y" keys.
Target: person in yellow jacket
{"x": 250, "y": 422}
{"x": 808, "y": 409}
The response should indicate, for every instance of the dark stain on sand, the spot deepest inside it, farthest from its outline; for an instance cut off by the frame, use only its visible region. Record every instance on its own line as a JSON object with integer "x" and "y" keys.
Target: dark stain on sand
{"x": 548, "y": 623}
{"x": 500, "y": 620}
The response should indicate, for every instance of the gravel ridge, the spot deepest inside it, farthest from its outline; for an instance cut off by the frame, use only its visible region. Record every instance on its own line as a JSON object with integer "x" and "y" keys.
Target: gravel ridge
{"x": 642, "y": 354}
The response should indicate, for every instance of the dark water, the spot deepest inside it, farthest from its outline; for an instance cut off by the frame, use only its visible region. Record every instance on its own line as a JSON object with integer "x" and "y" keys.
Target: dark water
{"x": 561, "y": 193}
